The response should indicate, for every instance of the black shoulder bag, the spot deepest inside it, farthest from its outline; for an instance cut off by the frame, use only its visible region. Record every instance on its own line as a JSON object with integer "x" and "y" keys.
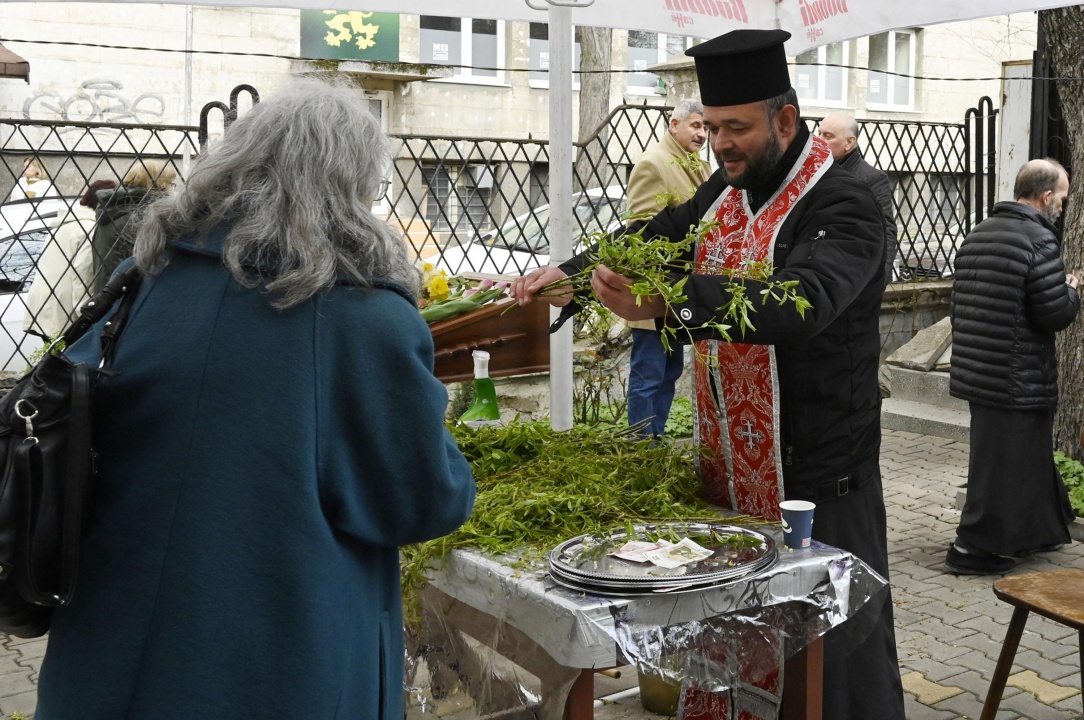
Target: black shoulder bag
{"x": 47, "y": 466}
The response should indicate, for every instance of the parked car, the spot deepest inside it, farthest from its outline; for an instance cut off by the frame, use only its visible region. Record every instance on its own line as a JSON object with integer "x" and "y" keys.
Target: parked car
{"x": 522, "y": 243}
{"x": 26, "y": 226}
{"x": 931, "y": 255}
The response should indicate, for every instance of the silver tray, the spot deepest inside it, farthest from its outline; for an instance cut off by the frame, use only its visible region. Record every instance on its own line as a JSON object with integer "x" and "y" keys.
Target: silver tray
{"x": 632, "y": 591}
{"x": 584, "y": 563}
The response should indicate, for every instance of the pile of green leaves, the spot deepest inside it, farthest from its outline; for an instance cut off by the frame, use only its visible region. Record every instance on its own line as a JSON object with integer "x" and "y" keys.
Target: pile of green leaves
{"x": 1072, "y": 472}
{"x": 538, "y": 487}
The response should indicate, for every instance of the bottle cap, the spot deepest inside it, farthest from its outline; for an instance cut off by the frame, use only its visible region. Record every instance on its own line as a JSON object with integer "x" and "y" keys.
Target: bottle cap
{"x": 481, "y": 364}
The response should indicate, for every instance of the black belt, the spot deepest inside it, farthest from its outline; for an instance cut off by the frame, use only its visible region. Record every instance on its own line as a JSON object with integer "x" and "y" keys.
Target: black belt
{"x": 837, "y": 487}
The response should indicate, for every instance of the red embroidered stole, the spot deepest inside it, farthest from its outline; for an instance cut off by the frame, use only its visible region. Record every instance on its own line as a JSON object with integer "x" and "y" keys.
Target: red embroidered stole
{"x": 737, "y": 385}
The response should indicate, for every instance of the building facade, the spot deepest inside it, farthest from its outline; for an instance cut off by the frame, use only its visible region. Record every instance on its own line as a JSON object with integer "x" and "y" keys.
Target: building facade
{"x": 469, "y": 82}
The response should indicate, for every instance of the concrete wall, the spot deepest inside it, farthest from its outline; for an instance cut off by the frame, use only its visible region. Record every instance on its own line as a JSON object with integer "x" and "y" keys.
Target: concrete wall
{"x": 86, "y": 83}
{"x": 908, "y": 308}
{"x": 131, "y": 85}
{"x": 108, "y": 85}
{"x": 971, "y": 49}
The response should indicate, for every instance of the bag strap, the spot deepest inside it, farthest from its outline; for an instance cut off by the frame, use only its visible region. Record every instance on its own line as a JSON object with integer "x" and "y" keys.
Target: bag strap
{"x": 80, "y": 471}
{"x": 126, "y": 285}
{"x": 48, "y": 588}
{"x": 115, "y": 324}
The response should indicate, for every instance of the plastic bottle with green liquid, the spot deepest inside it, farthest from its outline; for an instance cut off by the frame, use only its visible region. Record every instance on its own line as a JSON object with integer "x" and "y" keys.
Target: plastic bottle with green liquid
{"x": 484, "y": 411}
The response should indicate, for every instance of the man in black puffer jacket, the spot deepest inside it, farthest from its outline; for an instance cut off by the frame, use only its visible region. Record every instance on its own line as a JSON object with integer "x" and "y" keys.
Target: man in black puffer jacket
{"x": 1010, "y": 296}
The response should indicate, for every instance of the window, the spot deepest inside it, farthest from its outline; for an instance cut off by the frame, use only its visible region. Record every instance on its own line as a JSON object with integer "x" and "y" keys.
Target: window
{"x": 475, "y": 187}
{"x": 946, "y": 199}
{"x": 439, "y": 189}
{"x": 816, "y": 81}
{"x": 647, "y": 49}
{"x": 539, "y": 184}
{"x": 539, "y": 76}
{"x": 891, "y": 52}
{"x": 457, "y": 199}
{"x": 464, "y": 41}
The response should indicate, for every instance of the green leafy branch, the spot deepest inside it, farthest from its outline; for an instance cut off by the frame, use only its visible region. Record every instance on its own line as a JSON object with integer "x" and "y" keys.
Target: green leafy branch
{"x": 740, "y": 307}
{"x": 663, "y": 199}
{"x": 659, "y": 267}
{"x": 691, "y": 162}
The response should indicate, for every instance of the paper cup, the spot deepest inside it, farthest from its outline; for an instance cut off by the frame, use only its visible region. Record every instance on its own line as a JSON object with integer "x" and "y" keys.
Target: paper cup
{"x": 797, "y": 523}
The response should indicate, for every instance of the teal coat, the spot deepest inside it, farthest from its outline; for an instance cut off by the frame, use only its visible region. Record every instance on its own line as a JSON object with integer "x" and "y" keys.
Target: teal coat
{"x": 259, "y": 469}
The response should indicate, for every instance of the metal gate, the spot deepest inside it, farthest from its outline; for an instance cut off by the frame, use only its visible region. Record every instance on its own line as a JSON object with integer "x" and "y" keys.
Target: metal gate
{"x": 471, "y": 204}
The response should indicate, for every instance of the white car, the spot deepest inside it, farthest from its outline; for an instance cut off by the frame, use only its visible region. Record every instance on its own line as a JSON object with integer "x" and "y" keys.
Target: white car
{"x": 26, "y": 226}
{"x": 930, "y": 256}
{"x": 522, "y": 243}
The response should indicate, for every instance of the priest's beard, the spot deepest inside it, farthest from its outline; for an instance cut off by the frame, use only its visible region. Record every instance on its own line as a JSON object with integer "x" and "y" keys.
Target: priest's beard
{"x": 759, "y": 168}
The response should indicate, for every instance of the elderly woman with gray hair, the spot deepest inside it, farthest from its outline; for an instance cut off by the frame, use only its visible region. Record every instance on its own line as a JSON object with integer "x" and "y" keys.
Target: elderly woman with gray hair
{"x": 272, "y": 435}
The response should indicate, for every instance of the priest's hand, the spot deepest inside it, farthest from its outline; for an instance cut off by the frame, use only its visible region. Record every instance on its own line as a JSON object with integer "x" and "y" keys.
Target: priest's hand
{"x": 525, "y": 289}
{"x": 613, "y": 291}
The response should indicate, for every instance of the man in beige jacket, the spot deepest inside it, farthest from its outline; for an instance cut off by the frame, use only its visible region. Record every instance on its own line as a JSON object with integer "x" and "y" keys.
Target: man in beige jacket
{"x": 667, "y": 174}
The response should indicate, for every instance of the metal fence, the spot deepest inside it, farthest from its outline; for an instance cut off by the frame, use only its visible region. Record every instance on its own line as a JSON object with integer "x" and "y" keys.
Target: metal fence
{"x": 482, "y": 205}
{"x": 45, "y": 231}
{"x": 465, "y": 204}
{"x": 472, "y": 204}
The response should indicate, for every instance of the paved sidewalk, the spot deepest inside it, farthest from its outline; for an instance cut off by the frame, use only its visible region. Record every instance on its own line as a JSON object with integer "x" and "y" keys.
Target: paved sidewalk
{"x": 949, "y": 629}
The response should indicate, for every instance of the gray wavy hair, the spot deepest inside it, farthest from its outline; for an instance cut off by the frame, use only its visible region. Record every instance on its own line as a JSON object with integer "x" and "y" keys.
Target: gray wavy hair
{"x": 292, "y": 177}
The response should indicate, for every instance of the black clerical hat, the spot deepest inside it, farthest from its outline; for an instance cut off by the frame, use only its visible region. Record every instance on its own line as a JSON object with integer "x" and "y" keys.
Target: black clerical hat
{"x": 742, "y": 66}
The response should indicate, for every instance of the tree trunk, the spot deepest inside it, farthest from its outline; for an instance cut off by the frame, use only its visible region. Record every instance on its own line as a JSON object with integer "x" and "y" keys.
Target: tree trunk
{"x": 594, "y": 103}
{"x": 1064, "y": 30}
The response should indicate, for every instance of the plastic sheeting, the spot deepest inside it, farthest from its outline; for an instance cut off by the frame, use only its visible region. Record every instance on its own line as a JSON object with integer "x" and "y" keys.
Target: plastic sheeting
{"x": 501, "y": 635}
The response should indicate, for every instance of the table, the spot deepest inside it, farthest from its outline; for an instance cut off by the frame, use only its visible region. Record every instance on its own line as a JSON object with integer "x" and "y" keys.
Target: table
{"x": 563, "y": 637}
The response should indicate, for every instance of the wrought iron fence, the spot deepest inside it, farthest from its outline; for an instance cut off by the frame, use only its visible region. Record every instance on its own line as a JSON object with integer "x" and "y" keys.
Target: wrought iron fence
{"x": 465, "y": 204}
{"x": 471, "y": 204}
{"x": 48, "y": 264}
{"x": 482, "y": 205}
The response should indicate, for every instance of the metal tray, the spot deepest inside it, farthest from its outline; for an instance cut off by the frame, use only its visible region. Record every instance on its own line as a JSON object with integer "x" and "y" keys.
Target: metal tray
{"x": 585, "y": 564}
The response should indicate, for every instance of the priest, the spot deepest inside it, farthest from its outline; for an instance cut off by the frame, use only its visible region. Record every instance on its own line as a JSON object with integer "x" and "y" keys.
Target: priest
{"x": 792, "y": 407}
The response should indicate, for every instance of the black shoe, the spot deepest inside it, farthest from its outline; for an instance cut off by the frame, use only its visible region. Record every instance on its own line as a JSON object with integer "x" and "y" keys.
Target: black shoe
{"x": 968, "y": 564}
{"x": 1052, "y": 547}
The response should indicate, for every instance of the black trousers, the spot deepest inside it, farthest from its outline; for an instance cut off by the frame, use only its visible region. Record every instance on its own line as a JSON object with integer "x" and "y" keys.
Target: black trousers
{"x": 861, "y": 669}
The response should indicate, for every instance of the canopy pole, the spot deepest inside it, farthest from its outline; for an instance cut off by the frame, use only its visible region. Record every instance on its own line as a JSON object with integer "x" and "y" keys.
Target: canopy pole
{"x": 560, "y": 191}
{"x": 186, "y": 160}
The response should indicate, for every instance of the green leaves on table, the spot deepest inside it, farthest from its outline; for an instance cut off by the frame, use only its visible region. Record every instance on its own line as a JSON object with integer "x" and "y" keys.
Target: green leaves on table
{"x": 538, "y": 487}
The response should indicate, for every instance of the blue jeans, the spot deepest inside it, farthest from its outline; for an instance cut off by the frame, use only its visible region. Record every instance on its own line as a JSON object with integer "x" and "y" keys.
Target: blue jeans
{"x": 652, "y": 375}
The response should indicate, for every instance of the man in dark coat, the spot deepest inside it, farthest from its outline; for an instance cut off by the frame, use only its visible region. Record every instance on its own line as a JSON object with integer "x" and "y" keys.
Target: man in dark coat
{"x": 1010, "y": 296}
{"x": 821, "y": 229}
{"x": 114, "y": 233}
{"x": 840, "y": 131}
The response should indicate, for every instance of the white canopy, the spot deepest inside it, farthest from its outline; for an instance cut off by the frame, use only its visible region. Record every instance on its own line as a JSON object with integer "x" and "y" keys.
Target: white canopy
{"x": 811, "y": 22}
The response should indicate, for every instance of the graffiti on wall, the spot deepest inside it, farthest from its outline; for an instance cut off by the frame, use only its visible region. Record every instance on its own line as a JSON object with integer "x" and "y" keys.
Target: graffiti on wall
{"x": 97, "y": 100}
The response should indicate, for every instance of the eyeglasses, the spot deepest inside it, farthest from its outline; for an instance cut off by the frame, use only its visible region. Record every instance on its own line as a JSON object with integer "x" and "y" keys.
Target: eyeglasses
{"x": 382, "y": 190}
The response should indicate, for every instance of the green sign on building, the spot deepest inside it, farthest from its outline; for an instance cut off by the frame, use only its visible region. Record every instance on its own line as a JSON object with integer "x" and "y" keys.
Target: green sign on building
{"x": 349, "y": 35}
